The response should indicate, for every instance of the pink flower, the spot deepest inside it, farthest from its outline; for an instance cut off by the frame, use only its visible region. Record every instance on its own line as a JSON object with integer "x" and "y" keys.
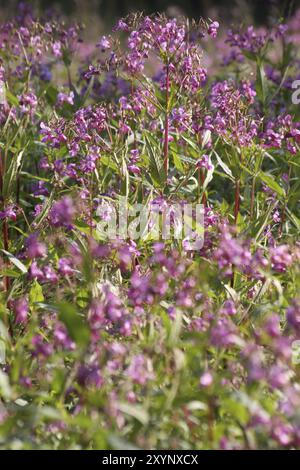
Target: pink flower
{"x": 206, "y": 379}
{"x": 21, "y": 309}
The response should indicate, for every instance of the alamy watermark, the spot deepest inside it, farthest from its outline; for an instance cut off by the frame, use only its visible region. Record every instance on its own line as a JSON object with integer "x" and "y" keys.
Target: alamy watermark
{"x": 296, "y": 93}
{"x": 156, "y": 220}
{"x": 2, "y": 92}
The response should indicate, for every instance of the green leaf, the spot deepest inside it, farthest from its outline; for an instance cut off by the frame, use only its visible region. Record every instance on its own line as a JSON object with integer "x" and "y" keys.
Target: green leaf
{"x": 36, "y": 293}
{"x": 261, "y": 83}
{"x": 45, "y": 209}
{"x": 224, "y": 166}
{"x": 157, "y": 172}
{"x": 10, "y": 176}
{"x": 175, "y": 329}
{"x": 271, "y": 183}
{"x": 12, "y": 99}
{"x": 177, "y": 162}
{"x": 125, "y": 179}
{"x": 4, "y": 338}
{"x": 196, "y": 405}
{"x": 293, "y": 218}
{"x": 15, "y": 261}
{"x": 51, "y": 95}
{"x": 5, "y": 390}
{"x": 77, "y": 328}
{"x": 236, "y": 409}
{"x": 136, "y": 411}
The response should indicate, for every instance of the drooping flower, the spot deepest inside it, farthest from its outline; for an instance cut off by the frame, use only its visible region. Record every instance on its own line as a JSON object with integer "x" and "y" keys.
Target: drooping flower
{"x": 62, "y": 212}
{"x": 293, "y": 315}
{"x": 34, "y": 247}
{"x": 213, "y": 29}
{"x": 21, "y": 310}
{"x": 140, "y": 370}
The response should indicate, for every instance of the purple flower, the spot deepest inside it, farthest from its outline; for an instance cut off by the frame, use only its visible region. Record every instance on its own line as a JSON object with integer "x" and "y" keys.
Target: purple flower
{"x": 134, "y": 169}
{"x": 34, "y": 247}
{"x": 39, "y": 189}
{"x": 281, "y": 258}
{"x": 96, "y": 315}
{"x": 276, "y": 216}
{"x": 279, "y": 376}
{"x": 41, "y": 347}
{"x": 213, "y": 29}
{"x": 282, "y": 432}
{"x": 56, "y": 49}
{"x": 104, "y": 43}
{"x": 224, "y": 333}
{"x": 232, "y": 251}
{"x": 65, "y": 266}
{"x": 35, "y": 272}
{"x": 228, "y": 308}
{"x": 181, "y": 119}
{"x": 9, "y": 213}
{"x": 88, "y": 164}
{"x": 204, "y": 162}
{"x": 28, "y": 103}
{"x": 121, "y": 26}
{"x": 65, "y": 98}
{"x": 49, "y": 274}
{"x": 21, "y": 310}
{"x": 248, "y": 40}
{"x": 140, "y": 370}
{"x": 293, "y": 315}
{"x": 90, "y": 376}
{"x": 44, "y": 164}
{"x": 26, "y": 382}
{"x": 62, "y": 338}
{"x": 62, "y": 213}
{"x": 55, "y": 137}
{"x": 272, "y": 326}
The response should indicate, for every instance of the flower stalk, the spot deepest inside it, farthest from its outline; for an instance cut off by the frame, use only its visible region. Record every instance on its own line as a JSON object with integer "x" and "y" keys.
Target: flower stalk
{"x": 236, "y": 200}
{"x": 166, "y": 130}
{"x": 5, "y": 232}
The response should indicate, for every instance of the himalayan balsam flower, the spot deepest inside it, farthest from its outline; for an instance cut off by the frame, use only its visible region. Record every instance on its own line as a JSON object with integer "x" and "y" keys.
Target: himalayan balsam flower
{"x": 34, "y": 247}
{"x": 62, "y": 212}
{"x": 21, "y": 310}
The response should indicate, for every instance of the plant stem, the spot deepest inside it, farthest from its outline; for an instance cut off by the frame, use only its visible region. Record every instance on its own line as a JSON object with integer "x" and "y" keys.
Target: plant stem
{"x": 252, "y": 199}
{"x": 166, "y": 134}
{"x": 236, "y": 200}
{"x": 283, "y": 217}
{"x": 201, "y": 179}
{"x": 69, "y": 78}
{"x": 5, "y": 234}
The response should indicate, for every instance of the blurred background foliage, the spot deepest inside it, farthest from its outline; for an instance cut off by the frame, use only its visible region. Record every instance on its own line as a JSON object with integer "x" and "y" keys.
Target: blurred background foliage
{"x": 105, "y": 12}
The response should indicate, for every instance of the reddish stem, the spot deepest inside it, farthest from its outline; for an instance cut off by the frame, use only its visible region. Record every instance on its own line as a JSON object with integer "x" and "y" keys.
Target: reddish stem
{"x": 201, "y": 179}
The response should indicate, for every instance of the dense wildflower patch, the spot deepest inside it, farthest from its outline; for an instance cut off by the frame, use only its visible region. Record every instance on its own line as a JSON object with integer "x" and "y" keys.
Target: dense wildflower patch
{"x": 117, "y": 342}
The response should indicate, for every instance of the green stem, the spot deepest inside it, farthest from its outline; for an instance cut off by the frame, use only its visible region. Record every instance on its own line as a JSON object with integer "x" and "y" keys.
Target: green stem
{"x": 252, "y": 198}
{"x": 283, "y": 217}
{"x": 166, "y": 131}
{"x": 236, "y": 200}
{"x": 5, "y": 233}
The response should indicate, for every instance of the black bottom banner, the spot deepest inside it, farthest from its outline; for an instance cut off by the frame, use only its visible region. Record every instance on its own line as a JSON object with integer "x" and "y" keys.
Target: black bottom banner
{"x": 134, "y": 458}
